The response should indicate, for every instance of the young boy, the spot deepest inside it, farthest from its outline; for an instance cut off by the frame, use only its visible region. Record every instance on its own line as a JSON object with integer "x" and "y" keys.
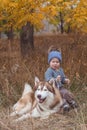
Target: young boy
{"x": 56, "y": 72}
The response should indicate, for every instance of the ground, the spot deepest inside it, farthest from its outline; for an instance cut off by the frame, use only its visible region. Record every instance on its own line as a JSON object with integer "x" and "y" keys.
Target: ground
{"x": 54, "y": 122}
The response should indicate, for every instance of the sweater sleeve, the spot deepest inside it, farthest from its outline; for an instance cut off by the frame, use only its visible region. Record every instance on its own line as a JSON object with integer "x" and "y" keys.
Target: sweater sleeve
{"x": 48, "y": 74}
{"x": 62, "y": 76}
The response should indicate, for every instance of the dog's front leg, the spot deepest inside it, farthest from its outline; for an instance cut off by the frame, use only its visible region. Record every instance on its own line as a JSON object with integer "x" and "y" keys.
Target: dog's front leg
{"x": 26, "y": 109}
{"x": 55, "y": 102}
{"x": 34, "y": 104}
{"x": 25, "y": 116}
{"x": 57, "y": 97}
{"x": 13, "y": 114}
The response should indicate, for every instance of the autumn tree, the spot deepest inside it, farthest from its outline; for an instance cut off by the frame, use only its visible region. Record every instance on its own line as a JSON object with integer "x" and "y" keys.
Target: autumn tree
{"x": 71, "y": 16}
{"x": 26, "y": 15}
{"x": 26, "y": 38}
{"x": 18, "y": 12}
{"x": 76, "y": 15}
{"x": 5, "y": 22}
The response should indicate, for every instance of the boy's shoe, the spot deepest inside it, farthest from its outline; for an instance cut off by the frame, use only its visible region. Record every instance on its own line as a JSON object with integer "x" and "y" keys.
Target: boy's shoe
{"x": 66, "y": 108}
{"x": 73, "y": 104}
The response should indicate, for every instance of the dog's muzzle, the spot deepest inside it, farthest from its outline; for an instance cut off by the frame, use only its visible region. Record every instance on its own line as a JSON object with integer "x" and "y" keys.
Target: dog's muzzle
{"x": 41, "y": 100}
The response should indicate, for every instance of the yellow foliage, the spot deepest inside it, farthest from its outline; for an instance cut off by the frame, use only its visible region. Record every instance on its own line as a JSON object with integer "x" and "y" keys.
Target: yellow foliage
{"x": 4, "y": 3}
{"x": 18, "y": 12}
{"x": 77, "y": 15}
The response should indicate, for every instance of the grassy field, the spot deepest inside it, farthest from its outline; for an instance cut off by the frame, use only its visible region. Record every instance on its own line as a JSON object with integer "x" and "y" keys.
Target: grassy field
{"x": 15, "y": 71}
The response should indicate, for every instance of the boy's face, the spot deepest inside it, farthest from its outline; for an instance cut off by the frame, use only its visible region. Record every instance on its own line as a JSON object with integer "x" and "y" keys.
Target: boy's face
{"x": 55, "y": 63}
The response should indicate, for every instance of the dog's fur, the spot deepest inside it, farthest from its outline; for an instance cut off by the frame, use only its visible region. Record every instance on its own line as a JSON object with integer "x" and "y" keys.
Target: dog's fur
{"x": 45, "y": 100}
{"x": 25, "y": 103}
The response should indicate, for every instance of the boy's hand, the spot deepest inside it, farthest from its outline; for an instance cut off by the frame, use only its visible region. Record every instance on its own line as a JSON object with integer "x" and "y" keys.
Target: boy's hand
{"x": 67, "y": 81}
{"x": 58, "y": 79}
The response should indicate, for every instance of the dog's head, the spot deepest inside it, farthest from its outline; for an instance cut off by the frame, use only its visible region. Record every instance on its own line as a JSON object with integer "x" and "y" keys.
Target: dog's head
{"x": 43, "y": 90}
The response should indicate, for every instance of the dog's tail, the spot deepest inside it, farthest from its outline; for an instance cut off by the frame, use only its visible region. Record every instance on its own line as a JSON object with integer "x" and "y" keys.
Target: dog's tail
{"x": 27, "y": 89}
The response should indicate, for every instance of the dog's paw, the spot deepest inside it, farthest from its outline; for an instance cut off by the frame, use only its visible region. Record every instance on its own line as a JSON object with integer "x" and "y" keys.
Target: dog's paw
{"x": 14, "y": 121}
{"x": 51, "y": 106}
{"x": 13, "y": 114}
{"x": 44, "y": 117}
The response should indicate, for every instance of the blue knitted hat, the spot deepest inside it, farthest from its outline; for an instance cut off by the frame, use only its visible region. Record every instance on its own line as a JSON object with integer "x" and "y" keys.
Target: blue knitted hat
{"x": 54, "y": 54}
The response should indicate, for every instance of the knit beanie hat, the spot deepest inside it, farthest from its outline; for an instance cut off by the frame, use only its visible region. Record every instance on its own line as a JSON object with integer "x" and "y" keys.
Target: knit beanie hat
{"x": 54, "y": 54}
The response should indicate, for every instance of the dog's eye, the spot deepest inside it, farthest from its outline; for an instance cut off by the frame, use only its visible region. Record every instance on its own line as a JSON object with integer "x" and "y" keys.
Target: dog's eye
{"x": 45, "y": 89}
{"x": 38, "y": 89}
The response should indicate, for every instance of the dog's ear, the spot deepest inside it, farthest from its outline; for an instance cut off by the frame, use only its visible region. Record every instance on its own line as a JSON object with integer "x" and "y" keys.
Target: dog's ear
{"x": 54, "y": 85}
{"x": 53, "y": 82}
{"x": 36, "y": 81}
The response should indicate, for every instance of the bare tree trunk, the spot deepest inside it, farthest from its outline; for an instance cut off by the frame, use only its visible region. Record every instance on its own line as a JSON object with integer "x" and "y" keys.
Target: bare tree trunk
{"x": 0, "y": 34}
{"x": 26, "y": 39}
{"x": 68, "y": 29}
{"x": 10, "y": 34}
{"x": 61, "y": 22}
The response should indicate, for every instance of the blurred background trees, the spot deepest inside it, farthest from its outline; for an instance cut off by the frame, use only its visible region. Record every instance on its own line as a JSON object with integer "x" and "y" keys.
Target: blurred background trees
{"x": 27, "y": 16}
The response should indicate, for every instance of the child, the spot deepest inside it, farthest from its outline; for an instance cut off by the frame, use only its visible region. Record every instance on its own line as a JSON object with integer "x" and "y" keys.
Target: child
{"x": 56, "y": 72}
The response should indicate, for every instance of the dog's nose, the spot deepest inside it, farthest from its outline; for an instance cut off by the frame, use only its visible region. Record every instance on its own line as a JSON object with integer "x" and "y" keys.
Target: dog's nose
{"x": 39, "y": 96}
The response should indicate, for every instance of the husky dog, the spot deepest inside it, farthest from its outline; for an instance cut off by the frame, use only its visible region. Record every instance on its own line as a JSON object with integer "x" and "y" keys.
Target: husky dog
{"x": 42, "y": 102}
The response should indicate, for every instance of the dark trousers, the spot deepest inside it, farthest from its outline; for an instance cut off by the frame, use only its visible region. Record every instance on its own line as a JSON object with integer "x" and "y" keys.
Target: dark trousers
{"x": 66, "y": 94}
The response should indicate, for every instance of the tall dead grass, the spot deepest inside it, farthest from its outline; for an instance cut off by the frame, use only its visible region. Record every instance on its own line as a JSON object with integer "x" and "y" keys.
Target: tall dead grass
{"x": 15, "y": 71}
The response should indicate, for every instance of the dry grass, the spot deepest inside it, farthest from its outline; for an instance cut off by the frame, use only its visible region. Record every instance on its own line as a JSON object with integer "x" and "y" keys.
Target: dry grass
{"x": 15, "y": 71}
{"x": 69, "y": 121}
